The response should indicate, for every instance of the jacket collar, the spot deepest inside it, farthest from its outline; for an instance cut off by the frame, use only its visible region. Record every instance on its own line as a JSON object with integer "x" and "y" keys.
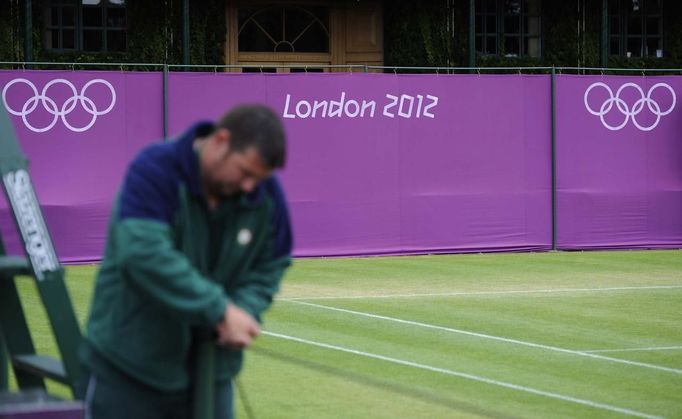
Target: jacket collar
{"x": 188, "y": 159}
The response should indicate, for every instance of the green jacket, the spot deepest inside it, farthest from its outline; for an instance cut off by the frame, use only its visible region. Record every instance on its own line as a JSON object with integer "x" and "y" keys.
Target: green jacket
{"x": 171, "y": 266}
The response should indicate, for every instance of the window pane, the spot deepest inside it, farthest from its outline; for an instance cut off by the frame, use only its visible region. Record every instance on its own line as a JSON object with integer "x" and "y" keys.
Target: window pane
{"x": 512, "y": 7}
{"x": 512, "y": 24}
{"x": 68, "y": 16}
{"x": 116, "y": 41}
{"x": 532, "y": 47}
{"x": 511, "y": 46}
{"x": 116, "y": 17}
{"x": 251, "y": 38}
{"x": 53, "y": 17}
{"x": 92, "y": 40}
{"x": 53, "y": 38}
{"x": 68, "y": 39}
{"x": 634, "y": 47}
{"x": 653, "y": 46}
{"x": 533, "y": 25}
{"x": 271, "y": 20}
{"x": 298, "y": 19}
{"x": 479, "y": 44}
{"x": 92, "y": 16}
{"x": 635, "y": 25}
{"x": 306, "y": 29}
{"x": 491, "y": 45}
{"x": 532, "y": 7}
{"x": 614, "y": 28}
{"x": 653, "y": 25}
{"x": 479, "y": 24}
{"x": 491, "y": 24}
{"x": 489, "y": 6}
{"x": 652, "y": 7}
{"x": 614, "y": 46}
{"x": 314, "y": 39}
{"x": 613, "y": 7}
{"x": 258, "y": 27}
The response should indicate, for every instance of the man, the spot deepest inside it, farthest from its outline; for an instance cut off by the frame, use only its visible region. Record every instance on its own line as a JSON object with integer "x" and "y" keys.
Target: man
{"x": 199, "y": 239}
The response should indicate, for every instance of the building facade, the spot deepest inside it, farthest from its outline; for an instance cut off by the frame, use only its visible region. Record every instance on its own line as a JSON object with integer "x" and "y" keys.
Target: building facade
{"x": 325, "y": 35}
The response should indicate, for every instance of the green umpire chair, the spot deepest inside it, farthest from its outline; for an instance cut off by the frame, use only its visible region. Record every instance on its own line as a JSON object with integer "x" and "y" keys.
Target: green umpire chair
{"x": 42, "y": 266}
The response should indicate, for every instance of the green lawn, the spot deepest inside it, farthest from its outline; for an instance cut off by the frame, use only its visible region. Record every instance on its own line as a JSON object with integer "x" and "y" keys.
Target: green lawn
{"x": 571, "y": 334}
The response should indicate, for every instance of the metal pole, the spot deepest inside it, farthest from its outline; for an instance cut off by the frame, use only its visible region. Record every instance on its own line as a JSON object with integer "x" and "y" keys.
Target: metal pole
{"x": 185, "y": 32}
{"x": 165, "y": 102}
{"x": 28, "y": 30}
{"x": 604, "y": 33}
{"x": 554, "y": 169}
{"x": 472, "y": 33}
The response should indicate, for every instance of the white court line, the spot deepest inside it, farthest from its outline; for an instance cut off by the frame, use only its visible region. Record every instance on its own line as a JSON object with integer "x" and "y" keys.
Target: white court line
{"x": 501, "y": 339}
{"x": 470, "y": 377}
{"x": 464, "y": 293}
{"x": 652, "y": 348}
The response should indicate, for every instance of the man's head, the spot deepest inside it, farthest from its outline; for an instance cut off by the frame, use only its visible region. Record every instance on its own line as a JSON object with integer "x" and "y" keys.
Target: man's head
{"x": 247, "y": 145}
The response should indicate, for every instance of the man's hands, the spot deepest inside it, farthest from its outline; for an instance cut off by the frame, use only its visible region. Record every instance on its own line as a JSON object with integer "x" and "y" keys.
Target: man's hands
{"x": 237, "y": 329}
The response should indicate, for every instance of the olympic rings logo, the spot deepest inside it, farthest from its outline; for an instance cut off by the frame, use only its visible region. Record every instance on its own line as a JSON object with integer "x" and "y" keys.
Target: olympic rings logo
{"x": 636, "y": 109}
{"x": 50, "y": 105}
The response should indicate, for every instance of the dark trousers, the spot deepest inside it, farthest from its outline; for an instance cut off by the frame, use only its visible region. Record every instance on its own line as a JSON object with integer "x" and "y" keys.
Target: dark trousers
{"x": 110, "y": 394}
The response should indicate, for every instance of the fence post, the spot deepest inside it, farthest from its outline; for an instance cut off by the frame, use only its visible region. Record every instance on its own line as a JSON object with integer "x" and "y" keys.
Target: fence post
{"x": 165, "y": 102}
{"x": 554, "y": 180}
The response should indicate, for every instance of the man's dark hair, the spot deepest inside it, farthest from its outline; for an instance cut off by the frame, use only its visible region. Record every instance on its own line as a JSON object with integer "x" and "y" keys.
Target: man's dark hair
{"x": 256, "y": 126}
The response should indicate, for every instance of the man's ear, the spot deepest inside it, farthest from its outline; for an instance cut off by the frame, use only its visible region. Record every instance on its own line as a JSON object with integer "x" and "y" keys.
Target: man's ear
{"x": 223, "y": 137}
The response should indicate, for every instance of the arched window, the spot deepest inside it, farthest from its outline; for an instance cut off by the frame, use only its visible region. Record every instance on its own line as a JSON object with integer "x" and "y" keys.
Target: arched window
{"x": 307, "y": 35}
{"x": 283, "y": 29}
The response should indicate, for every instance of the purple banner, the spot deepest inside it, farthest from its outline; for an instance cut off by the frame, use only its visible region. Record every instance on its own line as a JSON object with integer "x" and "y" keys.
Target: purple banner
{"x": 619, "y": 162}
{"x": 379, "y": 163}
{"x": 79, "y": 130}
{"x": 388, "y": 164}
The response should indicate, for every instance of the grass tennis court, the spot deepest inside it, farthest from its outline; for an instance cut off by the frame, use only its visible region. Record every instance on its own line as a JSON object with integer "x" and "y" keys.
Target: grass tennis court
{"x": 570, "y": 334}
